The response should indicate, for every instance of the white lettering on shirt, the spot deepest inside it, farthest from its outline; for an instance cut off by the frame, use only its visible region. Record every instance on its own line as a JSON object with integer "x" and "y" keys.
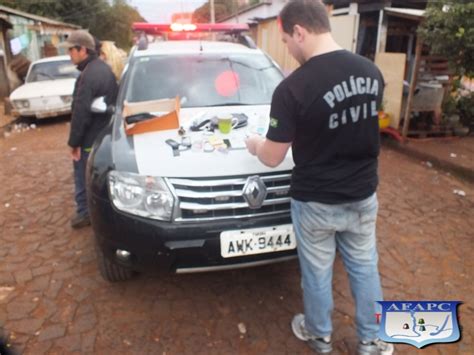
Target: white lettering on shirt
{"x": 333, "y": 121}
{"x": 355, "y": 112}
{"x": 339, "y": 93}
{"x": 329, "y": 98}
{"x": 337, "y": 119}
{"x": 351, "y": 87}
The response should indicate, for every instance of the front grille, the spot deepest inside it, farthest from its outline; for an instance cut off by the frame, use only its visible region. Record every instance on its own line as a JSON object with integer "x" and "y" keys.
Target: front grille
{"x": 222, "y": 198}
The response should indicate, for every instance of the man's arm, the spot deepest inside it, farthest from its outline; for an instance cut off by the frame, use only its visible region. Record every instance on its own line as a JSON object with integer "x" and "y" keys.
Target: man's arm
{"x": 269, "y": 152}
{"x": 81, "y": 115}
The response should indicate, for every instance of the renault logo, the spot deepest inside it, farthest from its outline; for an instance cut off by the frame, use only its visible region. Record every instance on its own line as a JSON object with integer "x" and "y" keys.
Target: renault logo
{"x": 254, "y": 192}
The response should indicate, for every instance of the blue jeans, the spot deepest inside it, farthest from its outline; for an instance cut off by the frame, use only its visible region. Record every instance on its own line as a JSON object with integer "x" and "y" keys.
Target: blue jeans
{"x": 80, "y": 184}
{"x": 350, "y": 228}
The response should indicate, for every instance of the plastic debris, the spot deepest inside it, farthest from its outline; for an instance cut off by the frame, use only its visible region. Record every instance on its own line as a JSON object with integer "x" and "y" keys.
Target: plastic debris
{"x": 13, "y": 149}
{"x": 242, "y": 328}
{"x": 429, "y": 164}
{"x": 459, "y": 192}
{"x": 7, "y": 205}
{"x": 452, "y": 155}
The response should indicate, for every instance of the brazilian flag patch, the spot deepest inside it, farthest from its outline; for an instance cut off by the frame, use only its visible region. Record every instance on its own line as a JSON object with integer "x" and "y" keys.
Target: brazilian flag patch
{"x": 273, "y": 122}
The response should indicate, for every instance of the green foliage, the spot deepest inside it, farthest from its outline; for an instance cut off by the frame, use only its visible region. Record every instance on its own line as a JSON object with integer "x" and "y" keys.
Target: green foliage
{"x": 105, "y": 20}
{"x": 450, "y": 33}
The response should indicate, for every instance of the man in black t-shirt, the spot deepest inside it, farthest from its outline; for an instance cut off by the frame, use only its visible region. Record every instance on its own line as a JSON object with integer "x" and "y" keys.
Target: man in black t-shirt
{"x": 326, "y": 110}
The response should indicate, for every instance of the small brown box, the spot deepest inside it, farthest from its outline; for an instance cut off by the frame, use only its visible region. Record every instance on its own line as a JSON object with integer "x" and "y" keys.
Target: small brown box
{"x": 167, "y": 119}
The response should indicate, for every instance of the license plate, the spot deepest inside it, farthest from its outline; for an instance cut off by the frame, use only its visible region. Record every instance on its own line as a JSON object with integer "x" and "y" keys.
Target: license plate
{"x": 257, "y": 241}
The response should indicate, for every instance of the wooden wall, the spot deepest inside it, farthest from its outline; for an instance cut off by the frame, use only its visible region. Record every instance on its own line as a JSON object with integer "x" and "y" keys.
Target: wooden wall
{"x": 269, "y": 40}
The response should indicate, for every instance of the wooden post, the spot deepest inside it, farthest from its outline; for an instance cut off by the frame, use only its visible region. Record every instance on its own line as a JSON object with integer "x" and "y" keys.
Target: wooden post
{"x": 414, "y": 76}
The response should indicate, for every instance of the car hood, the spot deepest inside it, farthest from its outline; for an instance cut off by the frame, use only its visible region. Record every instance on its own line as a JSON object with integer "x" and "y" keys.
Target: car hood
{"x": 44, "y": 88}
{"x": 154, "y": 157}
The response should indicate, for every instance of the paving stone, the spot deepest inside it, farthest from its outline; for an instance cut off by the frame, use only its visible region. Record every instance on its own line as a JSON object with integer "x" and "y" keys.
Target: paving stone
{"x": 83, "y": 323}
{"x": 41, "y": 270}
{"x": 6, "y": 278}
{"x": 19, "y": 310}
{"x": 23, "y": 276}
{"x": 26, "y": 325}
{"x": 88, "y": 340}
{"x": 40, "y": 283}
{"x": 39, "y": 347}
{"x": 52, "y": 332}
{"x": 54, "y": 288}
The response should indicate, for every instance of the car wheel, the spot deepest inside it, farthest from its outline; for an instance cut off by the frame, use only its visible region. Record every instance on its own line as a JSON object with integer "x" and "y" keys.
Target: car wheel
{"x": 109, "y": 270}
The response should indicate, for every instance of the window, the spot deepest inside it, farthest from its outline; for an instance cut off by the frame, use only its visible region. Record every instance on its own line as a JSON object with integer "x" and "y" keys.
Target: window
{"x": 204, "y": 80}
{"x": 52, "y": 71}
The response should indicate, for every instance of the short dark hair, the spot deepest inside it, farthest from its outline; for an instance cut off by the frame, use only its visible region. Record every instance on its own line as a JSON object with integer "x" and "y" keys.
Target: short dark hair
{"x": 310, "y": 14}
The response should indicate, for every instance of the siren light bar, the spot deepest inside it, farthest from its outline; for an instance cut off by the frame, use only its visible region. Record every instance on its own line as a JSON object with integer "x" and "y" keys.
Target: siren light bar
{"x": 156, "y": 28}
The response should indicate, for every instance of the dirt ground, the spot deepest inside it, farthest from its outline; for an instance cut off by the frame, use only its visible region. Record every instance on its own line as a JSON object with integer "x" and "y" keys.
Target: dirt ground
{"x": 456, "y": 150}
{"x": 53, "y": 300}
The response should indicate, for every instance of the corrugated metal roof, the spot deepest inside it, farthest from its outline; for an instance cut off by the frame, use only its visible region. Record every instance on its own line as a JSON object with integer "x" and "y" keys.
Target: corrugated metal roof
{"x": 46, "y": 20}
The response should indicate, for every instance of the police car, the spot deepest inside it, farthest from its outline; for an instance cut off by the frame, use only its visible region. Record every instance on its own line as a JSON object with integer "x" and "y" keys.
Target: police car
{"x": 190, "y": 199}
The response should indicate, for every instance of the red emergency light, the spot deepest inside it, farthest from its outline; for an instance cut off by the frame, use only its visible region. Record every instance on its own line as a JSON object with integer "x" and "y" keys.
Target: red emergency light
{"x": 157, "y": 28}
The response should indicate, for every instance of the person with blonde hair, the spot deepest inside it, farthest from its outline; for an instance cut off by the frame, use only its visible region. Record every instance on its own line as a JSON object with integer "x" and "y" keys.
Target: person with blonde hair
{"x": 110, "y": 54}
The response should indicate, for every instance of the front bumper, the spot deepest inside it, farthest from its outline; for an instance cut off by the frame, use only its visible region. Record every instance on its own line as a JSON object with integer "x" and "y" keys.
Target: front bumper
{"x": 42, "y": 113}
{"x": 186, "y": 247}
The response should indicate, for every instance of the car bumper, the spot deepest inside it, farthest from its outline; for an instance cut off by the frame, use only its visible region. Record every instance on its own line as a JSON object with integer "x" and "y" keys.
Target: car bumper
{"x": 181, "y": 248}
{"x": 42, "y": 113}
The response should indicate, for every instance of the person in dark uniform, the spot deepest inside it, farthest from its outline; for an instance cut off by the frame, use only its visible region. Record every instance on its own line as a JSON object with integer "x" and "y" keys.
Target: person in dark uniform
{"x": 326, "y": 110}
{"x": 96, "y": 80}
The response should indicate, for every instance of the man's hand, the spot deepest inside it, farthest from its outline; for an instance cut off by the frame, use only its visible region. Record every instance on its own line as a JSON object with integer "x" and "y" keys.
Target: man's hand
{"x": 267, "y": 151}
{"x": 76, "y": 153}
{"x": 252, "y": 143}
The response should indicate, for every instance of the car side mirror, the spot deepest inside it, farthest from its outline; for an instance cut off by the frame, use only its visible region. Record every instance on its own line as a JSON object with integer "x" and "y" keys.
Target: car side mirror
{"x": 100, "y": 106}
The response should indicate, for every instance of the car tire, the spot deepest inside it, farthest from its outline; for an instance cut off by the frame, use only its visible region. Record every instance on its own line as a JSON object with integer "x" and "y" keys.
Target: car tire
{"x": 109, "y": 270}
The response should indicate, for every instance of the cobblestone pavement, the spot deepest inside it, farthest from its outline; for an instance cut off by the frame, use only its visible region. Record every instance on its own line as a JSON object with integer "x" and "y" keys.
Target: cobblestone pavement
{"x": 53, "y": 300}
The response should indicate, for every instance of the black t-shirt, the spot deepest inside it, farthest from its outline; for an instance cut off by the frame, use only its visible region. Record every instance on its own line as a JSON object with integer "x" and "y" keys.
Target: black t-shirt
{"x": 328, "y": 108}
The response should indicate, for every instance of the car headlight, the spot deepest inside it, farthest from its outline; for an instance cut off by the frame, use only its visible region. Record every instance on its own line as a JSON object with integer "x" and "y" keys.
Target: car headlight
{"x": 145, "y": 196}
{"x": 67, "y": 99}
{"x": 21, "y": 104}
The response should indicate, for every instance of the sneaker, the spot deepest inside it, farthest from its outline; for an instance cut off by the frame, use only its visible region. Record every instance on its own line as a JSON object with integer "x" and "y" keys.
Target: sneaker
{"x": 79, "y": 221}
{"x": 375, "y": 347}
{"x": 320, "y": 345}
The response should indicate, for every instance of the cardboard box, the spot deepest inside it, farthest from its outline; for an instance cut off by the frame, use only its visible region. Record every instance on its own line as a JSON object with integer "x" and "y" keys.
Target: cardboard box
{"x": 166, "y": 110}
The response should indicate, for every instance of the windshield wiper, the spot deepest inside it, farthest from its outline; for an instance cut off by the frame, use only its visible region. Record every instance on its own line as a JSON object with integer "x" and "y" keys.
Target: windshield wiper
{"x": 228, "y": 104}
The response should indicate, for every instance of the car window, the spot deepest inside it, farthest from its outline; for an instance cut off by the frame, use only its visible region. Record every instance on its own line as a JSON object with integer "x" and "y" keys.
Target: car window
{"x": 52, "y": 70}
{"x": 204, "y": 80}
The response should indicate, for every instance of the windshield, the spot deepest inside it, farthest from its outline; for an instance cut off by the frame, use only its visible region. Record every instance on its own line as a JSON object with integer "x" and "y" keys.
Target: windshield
{"x": 204, "y": 80}
{"x": 52, "y": 70}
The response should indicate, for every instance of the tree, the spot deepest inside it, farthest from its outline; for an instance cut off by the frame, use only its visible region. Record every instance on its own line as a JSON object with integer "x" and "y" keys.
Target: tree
{"x": 449, "y": 30}
{"x": 105, "y": 20}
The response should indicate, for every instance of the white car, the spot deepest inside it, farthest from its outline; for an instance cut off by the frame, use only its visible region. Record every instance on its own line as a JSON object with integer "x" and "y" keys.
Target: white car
{"x": 48, "y": 88}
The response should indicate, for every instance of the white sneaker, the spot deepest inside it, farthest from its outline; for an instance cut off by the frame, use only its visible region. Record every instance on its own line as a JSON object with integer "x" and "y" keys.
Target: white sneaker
{"x": 321, "y": 345}
{"x": 375, "y": 347}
